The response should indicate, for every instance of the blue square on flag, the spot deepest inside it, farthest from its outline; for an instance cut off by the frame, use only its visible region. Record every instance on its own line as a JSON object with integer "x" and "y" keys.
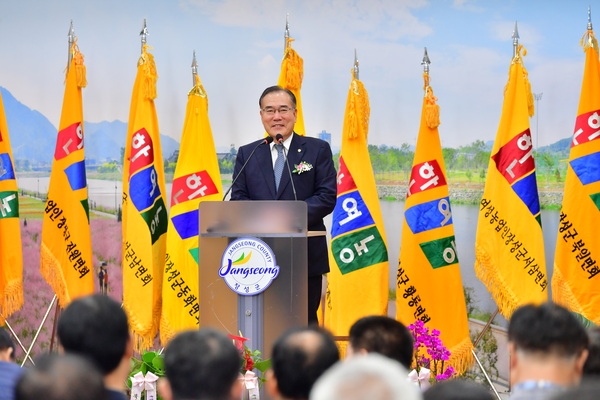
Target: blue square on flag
{"x": 6, "y": 167}
{"x": 76, "y": 175}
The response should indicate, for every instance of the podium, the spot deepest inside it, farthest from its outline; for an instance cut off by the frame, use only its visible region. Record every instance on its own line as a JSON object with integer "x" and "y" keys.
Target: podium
{"x": 240, "y": 245}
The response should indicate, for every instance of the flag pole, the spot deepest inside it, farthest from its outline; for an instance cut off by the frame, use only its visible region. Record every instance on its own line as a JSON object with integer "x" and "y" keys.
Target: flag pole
{"x": 18, "y": 340}
{"x": 194, "y": 69}
{"x": 71, "y": 40}
{"x": 355, "y": 69}
{"x": 39, "y": 330}
{"x": 286, "y": 34}
{"x": 143, "y": 35}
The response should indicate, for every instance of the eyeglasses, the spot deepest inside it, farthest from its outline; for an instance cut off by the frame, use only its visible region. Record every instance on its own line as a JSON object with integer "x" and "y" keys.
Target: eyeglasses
{"x": 270, "y": 111}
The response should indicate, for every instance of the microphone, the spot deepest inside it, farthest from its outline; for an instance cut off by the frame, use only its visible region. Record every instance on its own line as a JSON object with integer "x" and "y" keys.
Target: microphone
{"x": 266, "y": 140}
{"x": 279, "y": 138}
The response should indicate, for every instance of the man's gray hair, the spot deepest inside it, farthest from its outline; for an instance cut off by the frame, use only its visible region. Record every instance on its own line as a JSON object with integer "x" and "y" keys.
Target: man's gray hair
{"x": 368, "y": 377}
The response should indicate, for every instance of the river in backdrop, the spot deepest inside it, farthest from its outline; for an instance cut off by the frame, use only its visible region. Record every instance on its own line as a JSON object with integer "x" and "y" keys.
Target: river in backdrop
{"x": 108, "y": 194}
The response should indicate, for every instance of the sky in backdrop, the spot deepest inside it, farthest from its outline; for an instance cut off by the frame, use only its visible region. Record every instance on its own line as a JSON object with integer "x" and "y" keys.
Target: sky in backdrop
{"x": 239, "y": 45}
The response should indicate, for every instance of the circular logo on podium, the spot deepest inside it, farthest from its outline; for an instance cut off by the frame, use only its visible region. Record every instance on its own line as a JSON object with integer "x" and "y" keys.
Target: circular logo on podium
{"x": 248, "y": 266}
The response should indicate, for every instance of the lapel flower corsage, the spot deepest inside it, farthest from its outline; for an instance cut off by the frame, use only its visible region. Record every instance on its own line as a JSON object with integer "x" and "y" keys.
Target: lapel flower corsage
{"x": 302, "y": 167}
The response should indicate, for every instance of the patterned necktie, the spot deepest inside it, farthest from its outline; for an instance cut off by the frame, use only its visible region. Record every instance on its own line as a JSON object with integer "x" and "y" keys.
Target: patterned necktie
{"x": 278, "y": 168}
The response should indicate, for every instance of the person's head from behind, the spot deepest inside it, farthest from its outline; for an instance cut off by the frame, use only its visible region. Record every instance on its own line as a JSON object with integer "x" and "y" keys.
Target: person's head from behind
{"x": 458, "y": 389}
{"x": 372, "y": 376}
{"x": 201, "y": 364}
{"x": 7, "y": 346}
{"x": 299, "y": 357}
{"x": 96, "y": 327}
{"x": 278, "y": 111}
{"x": 591, "y": 368}
{"x": 61, "y": 377}
{"x": 543, "y": 336}
{"x": 383, "y": 335}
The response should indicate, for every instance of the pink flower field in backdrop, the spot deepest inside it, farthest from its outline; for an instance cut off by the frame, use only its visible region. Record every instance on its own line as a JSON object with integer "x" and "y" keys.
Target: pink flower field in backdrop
{"x": 106, "y": 244}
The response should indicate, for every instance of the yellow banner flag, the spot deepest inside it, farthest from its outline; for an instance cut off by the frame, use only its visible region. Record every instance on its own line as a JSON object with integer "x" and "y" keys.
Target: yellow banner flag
{"x": 358, "y": 253}
{"x": 290, "y": 77}
{"x": 509, "y": 246}
{"x": 577, "y": 262}
{"x": 66, "y": 249}
{"x": 144, "y": 209}
{"x": 197, "y": 178}
{"x": 428, "y": 282}
{"x": 11, "y": 253}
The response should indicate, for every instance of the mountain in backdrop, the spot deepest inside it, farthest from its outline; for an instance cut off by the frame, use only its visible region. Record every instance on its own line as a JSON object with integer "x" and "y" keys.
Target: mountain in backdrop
{"x": 33, "y": 136}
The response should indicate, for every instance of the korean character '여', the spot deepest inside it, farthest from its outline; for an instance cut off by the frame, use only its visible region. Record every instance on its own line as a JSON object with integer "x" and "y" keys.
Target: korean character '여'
{"x": 484, "y": 203}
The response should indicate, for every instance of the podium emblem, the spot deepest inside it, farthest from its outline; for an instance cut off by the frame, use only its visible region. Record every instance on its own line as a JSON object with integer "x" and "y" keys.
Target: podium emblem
{"x": 248, "y": 266}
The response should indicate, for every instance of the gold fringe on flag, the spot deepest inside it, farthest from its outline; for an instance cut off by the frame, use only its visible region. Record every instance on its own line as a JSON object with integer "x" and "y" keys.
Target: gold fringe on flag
{"x": 150, "y": 74}
{"x": 12, "y": 299}
{"x": 432, "y": 109}
{"x": 52, "y": 272}
{"x": 358, "y": 106}
{"x": 589, "y": 40}
{"x": 506, "y": 300}
{"x": 522, "y": 52}
{"x": 294, "y": 67}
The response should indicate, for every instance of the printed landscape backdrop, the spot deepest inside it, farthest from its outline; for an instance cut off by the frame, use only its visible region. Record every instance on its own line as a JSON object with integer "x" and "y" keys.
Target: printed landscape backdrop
{"x": 239, "y": 46}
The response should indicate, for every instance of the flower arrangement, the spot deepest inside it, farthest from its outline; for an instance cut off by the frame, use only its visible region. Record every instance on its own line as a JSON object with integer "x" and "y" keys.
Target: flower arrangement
{"x": 302, "y": 167}
{"x": 146, "y": 369}
{"x": 430, "y": 354}
{"x": 251, "y": 359}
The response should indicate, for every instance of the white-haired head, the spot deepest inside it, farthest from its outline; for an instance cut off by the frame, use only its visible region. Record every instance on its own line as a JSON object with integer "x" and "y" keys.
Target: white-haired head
{"x": 368, "y": 377}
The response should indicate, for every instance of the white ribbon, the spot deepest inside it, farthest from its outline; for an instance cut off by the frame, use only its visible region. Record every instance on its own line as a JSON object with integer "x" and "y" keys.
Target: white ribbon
{"x": 250, "y": 382}
{"x": 421, "y": 378}
{"x": 140, "y": 383}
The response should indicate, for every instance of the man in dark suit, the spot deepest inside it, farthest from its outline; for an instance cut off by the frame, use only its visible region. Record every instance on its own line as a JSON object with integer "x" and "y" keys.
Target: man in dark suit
{"x": 314, "y": 178}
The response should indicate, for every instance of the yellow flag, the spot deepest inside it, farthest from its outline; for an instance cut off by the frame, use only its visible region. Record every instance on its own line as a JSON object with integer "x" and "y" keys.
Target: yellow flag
{"x": 197, "y": 178}
{"x": 11, "y": 253}
{"x": 577, "y": 257}
{"x": 509, "y": 246}
{"x": 428, "y": 282}
{"x": 358, "y": 253}
{"x": 66, "y": 249}
{"x": 290, "y": 77}
{"x": 144, "y": 209}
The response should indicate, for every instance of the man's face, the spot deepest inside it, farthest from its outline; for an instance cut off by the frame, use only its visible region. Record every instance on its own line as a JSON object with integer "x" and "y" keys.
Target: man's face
{"x": 273, "y": 119}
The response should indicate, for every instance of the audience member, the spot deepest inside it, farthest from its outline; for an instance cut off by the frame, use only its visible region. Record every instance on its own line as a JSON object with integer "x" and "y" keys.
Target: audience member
{"x": 591, "y": 368}
{"x": 587, "y": 390}
{"x": 458, "y": 389}
{"x": 9, "y": 371}
{"x": 383, "y": 335}
{"x": 96, "y": 327}
{"x": 548, "y": 348}
{"x": 201, "y": 364}
{"x": 61, "y": 377}
{"x": 299, "y": 358}
{"x": 371, "y": 377}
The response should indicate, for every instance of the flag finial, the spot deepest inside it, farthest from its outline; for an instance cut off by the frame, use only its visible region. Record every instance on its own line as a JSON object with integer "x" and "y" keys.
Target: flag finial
{"x": 355, "y": 68}
{"x": 426, "y": 61}
{"x": 286, "y": 33}
{"x": 194, "y": 69}
{"x": 144, "y": 34}
{"x": 71, "y": 39}
{"x": 515, "y": 37}
{"x": 589, "y": 26}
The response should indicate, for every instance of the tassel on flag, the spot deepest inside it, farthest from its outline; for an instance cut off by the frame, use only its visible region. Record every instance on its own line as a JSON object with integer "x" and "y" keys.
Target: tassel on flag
{"x": 575, "y": 277}
{"x": 429, "y": 285}
{"x": 358, "y": 254}
{"x": 197, "y": 178}
{"x": 290, "y": 77}
{"x": 144, "y": 208}
{"x": 66, "y": 248}
{"x": 509, "y": 246}
{"x": 11, "y": 253}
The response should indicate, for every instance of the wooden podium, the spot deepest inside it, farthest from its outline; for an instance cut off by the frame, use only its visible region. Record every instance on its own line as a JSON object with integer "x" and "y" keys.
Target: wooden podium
{"x": 236, "y": 243}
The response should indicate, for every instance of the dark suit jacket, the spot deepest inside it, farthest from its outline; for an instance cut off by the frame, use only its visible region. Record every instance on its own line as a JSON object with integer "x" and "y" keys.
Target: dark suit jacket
{"x": 317, "y": 187}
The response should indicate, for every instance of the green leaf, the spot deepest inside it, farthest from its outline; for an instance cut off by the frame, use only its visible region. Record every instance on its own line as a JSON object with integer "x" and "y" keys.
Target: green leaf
{"x": 263, "y": 366}
{"x": 148, "y": 357}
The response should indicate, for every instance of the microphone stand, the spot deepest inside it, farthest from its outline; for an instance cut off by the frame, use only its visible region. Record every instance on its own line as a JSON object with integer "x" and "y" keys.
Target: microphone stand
{"x": 266, "y": 140}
